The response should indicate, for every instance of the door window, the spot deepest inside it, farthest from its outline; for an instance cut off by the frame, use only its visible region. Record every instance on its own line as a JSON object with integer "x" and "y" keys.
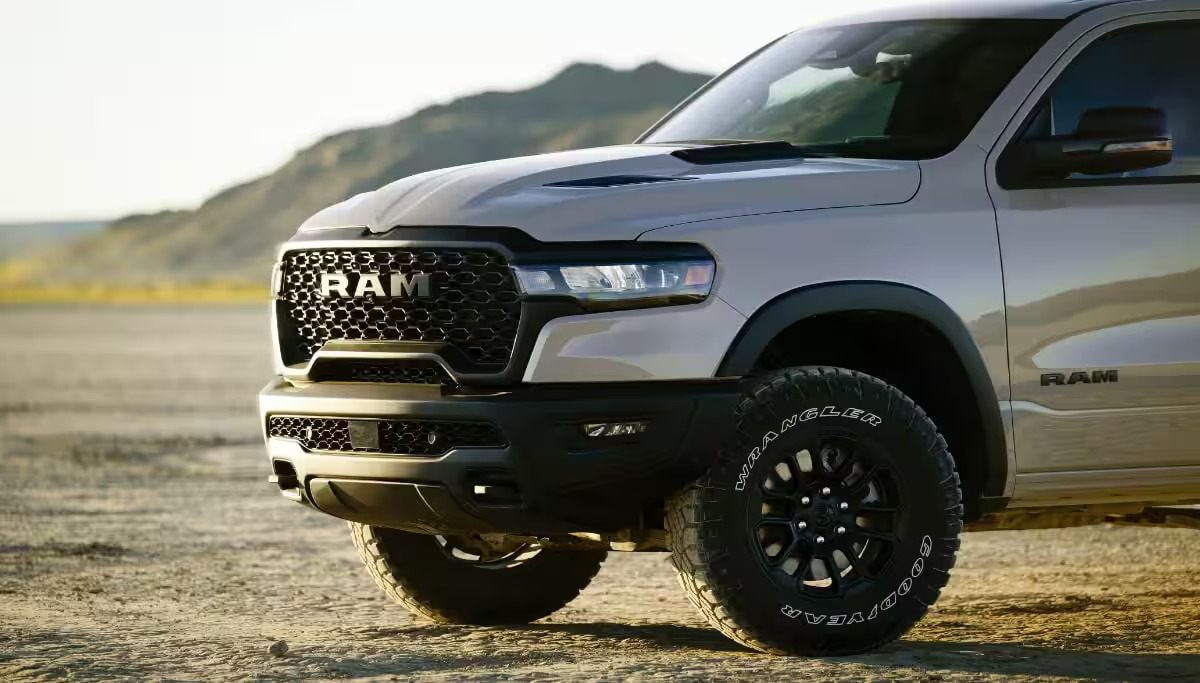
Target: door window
{"x": 1154, "y": 65}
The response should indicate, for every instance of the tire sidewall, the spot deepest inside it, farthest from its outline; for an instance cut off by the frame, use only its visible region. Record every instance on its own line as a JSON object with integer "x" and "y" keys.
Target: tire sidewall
{"x": 793, "y": 417}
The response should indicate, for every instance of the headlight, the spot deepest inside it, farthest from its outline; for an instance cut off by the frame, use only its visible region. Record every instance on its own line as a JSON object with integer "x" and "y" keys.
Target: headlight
{"x": 621, "y": 285}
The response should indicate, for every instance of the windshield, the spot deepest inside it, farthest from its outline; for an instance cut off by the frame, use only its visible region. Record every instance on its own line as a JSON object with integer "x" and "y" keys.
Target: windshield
{"x": 904, "y": 90}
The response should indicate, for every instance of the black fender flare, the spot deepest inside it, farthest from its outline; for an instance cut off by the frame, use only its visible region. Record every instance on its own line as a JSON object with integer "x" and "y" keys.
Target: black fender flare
{"x": 840, "y": 297}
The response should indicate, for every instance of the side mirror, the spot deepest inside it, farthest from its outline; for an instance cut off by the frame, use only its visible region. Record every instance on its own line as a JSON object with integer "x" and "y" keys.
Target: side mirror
{"x": 1106, "y": 141}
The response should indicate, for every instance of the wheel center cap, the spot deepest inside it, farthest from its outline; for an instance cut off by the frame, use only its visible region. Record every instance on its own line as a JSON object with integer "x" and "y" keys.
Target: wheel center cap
{"x": 826, "y": 514}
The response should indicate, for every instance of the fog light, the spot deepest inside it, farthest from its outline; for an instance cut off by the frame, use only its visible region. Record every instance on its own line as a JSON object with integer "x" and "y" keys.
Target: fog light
{"x": 602, "y": 429}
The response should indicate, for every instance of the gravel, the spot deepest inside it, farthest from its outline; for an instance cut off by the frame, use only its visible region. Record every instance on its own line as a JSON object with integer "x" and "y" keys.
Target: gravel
{"x": 138, "y": 539}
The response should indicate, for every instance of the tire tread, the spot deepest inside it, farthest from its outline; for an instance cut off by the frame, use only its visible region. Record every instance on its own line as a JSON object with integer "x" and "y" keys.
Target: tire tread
{"x": 695, "y": 545}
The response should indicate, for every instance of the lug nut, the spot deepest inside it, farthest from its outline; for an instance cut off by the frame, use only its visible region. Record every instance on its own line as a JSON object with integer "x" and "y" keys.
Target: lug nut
{"x": 844, "y": 506}
{"x": 826, "y": 491}
{"x": 820, "y": 539}
{"x": 841, "y": 530}
{"x": 801, "y": 525}
{"x": 805, "y": 500}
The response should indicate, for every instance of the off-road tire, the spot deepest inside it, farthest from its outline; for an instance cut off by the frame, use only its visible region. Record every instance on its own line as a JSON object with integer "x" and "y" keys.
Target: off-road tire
{"x": 413, "y": 571}
{"x": 713, "y": 537}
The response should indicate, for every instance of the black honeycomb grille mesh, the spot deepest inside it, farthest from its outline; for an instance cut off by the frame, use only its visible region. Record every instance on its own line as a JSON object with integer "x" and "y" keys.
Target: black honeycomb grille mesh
{"x": 473, "y": 305}
{"x": 396, "y": 437}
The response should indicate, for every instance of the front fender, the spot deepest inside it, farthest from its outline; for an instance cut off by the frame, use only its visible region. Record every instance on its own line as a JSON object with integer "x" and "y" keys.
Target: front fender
{"x": 778, "y": 314}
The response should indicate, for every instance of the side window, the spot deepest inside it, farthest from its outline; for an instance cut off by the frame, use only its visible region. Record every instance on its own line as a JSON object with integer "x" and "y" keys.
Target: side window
{"x": 1154, "y": 65}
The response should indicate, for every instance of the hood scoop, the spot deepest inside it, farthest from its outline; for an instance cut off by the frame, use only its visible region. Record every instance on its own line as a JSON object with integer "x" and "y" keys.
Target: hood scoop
{"x": 618, "y": 181}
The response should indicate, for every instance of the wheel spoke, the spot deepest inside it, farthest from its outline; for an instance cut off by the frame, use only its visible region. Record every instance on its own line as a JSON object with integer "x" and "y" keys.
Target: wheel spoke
{"x": 791, "y": 550}
{"x": 876, "y": 509}
{"x": 835, "y": 575}
{"x": 856, "y": 562}
{"x": 477, "y": 551}
{"x": 774, "y": 494}
{"x": 794, "y": 469}
{"x": 767, "y": 523}
{"x": 844, "y": 468}
{"x": 862, "y": 484}
{"x": 777, "y": 533}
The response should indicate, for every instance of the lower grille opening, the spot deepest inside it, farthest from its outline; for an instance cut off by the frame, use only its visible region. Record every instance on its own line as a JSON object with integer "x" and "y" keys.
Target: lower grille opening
{"x": 384, "y": 372}
{"x": 391, "y": 437}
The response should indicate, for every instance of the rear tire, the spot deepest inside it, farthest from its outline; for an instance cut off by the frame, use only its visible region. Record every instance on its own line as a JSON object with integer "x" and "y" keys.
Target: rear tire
{"x": 829, "y": 523}
{"x": 420, "y": 573}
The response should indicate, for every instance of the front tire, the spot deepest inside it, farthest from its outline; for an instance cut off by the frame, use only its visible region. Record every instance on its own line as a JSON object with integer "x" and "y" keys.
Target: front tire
{"x": 460, "y": 580}
{"x": 830, "y": 522}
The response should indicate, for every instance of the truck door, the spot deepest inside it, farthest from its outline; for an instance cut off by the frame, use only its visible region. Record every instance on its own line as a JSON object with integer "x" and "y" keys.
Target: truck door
{"x": 1102, "y": 271}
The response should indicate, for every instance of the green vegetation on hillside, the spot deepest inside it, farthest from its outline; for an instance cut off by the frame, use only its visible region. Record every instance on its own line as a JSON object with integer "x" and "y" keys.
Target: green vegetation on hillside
{"x": 230, "y": 239}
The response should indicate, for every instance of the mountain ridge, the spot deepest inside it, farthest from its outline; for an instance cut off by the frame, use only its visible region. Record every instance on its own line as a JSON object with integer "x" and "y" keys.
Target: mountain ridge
{"x": 231, "y": 236}
{"x": 18, "y": 239}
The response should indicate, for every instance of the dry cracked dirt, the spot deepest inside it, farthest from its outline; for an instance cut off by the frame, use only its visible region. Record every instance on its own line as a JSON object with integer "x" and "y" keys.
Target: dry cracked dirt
{"x": 138, "y": 539}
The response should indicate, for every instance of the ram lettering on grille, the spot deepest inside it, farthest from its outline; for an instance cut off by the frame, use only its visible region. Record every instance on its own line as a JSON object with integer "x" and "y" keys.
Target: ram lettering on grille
{"x": 465, "y": 298}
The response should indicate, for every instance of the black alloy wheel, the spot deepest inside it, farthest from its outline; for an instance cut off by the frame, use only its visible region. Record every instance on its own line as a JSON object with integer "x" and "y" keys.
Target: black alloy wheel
{"x": 473, "y": 579}
{"x": 828, "y": 523}
{"x": 479, "y": 553}
{"x": 828, "y": 515}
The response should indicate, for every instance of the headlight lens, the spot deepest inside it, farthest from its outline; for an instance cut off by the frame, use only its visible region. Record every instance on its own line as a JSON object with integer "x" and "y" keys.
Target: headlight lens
{"x": 662, "y": 282}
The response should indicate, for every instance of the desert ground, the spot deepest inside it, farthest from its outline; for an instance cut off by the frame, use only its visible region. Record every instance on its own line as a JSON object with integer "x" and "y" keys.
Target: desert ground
{"x": 139, "y": 539}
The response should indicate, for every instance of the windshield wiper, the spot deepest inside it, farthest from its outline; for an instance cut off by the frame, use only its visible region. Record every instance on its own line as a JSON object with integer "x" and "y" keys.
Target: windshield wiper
{"x": 876, "y": 148}
{"x": 733, "y": 152}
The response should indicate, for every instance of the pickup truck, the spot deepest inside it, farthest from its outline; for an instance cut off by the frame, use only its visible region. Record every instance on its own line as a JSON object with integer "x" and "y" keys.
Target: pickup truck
{"x": 889, "y": 277}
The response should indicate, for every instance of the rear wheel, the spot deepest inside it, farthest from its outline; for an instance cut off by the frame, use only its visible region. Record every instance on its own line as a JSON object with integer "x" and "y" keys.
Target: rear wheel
{"x": 470, "y": 579}
{"x": 829, "y": 524}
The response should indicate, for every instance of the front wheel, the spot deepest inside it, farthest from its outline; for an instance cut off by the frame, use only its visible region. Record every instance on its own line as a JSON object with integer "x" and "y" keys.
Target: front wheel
{"x": 830, "y": 522}
{"x": 468, "y": 580}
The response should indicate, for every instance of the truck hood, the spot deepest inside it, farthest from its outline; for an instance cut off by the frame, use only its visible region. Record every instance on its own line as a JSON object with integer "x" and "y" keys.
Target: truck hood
{"x": 617, "y": 192}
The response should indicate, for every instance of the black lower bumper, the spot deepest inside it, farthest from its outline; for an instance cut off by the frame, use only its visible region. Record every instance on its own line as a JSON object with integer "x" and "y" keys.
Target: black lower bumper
{"x": 550, "y": 478}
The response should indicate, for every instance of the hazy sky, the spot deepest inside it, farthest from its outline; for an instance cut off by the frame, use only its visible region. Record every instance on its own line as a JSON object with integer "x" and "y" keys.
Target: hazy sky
{"x": 137, "y": 105}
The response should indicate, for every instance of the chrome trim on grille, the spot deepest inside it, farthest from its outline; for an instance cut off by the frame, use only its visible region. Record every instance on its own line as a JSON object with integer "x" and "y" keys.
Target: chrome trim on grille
{"x": 352, "y": 349}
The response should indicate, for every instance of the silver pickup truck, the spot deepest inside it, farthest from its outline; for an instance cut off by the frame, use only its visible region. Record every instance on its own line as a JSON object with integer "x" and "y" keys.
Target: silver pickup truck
{"x": 887, "y": 277}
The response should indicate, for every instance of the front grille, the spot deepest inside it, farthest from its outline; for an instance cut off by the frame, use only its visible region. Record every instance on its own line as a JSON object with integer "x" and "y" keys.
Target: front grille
{"x": 384, "y": 372}
{"x": 473, "y": 304}
{"x": 396, "y": 437}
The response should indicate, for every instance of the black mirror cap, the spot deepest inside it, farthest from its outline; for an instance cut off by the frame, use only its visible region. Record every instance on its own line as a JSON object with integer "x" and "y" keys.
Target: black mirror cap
{"x": 1106, "y": 141}
{"x": 1124, "y": 123}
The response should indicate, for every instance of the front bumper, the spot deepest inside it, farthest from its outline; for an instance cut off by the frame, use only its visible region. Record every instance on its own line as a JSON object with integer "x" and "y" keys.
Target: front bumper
{"x": 555, "y": 478}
